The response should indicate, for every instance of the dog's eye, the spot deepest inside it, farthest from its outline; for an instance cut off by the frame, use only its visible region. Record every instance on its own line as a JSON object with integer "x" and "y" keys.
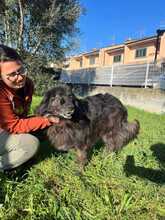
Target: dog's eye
{"x": 62, "y": 101}
{"x": 51, "y": 99}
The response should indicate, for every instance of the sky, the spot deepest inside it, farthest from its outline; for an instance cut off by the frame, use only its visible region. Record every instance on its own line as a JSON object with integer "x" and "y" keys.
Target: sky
{"x": 108, "y": 22}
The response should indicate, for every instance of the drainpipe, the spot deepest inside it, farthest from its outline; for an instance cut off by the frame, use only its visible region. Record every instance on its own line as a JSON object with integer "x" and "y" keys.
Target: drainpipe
{"x": 159, "y": 33}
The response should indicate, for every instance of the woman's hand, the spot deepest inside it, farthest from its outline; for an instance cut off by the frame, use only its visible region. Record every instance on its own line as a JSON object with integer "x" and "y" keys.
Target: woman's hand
{"x": 53, "y": 119}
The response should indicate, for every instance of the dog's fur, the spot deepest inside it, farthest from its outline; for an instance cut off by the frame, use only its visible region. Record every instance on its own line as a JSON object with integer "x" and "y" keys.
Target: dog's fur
{"x": 84, "y": 121}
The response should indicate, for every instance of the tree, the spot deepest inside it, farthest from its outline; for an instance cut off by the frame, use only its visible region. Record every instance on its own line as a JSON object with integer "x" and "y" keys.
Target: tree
{"x": 42, "y": 31}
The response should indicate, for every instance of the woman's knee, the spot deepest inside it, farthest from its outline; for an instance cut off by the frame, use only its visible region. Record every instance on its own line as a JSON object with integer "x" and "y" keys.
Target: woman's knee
{"x": 19, "y": 149}
{"x": 29, "y": 143}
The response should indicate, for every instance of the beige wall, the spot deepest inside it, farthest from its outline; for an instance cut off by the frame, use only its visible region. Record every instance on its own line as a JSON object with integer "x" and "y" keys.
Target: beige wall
{"x": 162, "y": 48}
{"x": 109, "y": 56}
{"x": 74, "y": 63}
{"x": 130, "y": 52}
{"x": 151, "y": 100}
{"x": 105, "y": 56}
{"x": 96, "y": 57}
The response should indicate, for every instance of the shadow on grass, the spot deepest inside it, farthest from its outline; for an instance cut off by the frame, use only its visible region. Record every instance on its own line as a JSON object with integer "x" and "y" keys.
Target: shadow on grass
{"x": 154, "y": 175}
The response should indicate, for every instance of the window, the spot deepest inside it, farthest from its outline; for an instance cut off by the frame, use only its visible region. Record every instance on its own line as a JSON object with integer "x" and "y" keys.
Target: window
{"x": 141, "y": 52}
{"x": 117, "y": 58}
{"x": 81, "y": 63}
{"x": 92, "y": 60}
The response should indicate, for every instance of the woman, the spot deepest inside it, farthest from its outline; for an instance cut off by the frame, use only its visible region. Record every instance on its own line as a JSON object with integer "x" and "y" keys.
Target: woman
{"x": 17, "y": 145}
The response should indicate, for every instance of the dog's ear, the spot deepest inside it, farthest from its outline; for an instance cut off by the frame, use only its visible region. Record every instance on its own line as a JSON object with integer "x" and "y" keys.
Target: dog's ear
{"x": 42, "y": 108}
{"x": 71, "y": 86}
{"x": 67, "y": 88}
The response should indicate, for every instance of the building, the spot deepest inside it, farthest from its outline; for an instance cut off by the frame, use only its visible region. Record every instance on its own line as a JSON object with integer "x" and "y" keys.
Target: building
{"x": 140, "y": 51}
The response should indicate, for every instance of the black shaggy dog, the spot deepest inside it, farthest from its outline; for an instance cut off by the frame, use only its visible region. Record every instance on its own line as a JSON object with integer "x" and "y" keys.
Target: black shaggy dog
{"x": 84, "y": 121}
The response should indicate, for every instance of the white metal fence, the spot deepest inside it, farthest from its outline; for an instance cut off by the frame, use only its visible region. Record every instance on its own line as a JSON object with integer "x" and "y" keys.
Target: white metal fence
{"x": 127, "y": 75}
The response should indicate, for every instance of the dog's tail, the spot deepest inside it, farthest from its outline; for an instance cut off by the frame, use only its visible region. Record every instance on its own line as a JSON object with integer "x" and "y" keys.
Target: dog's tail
{"x": 128, "y": 132}
{"x": 132, "y": 129}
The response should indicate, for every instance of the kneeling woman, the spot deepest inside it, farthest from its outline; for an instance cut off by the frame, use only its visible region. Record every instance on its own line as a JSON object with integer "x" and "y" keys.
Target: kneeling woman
{"x": 17, "y": 145}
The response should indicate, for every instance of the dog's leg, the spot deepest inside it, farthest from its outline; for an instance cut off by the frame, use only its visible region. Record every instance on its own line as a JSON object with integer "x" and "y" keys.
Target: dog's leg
{"x": 82, "y": 156}
{"x": 63, "y": 148}
{"x": 109, "y": 142}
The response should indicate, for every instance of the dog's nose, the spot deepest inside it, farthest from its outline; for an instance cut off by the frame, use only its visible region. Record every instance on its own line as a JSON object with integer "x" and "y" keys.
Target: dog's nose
{"x": 71, "y": 109}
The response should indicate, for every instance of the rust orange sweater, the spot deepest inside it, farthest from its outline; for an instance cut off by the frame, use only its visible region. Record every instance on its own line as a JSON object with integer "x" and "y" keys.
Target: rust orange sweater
{"x": 14, "y": 106}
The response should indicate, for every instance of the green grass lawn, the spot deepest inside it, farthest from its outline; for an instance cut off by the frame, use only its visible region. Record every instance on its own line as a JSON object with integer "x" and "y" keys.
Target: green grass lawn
{"x": 126, "y": 185}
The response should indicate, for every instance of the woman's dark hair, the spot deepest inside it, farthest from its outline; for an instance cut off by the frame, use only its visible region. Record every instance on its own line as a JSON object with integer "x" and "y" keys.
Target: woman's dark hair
{"x": 8, "y": 54}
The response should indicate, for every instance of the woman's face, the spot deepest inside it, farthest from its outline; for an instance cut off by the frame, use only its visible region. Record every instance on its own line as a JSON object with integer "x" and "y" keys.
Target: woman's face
{"x": 13, "y": 74}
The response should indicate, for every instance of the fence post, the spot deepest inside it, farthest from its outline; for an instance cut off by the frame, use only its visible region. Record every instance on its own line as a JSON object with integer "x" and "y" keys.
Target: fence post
{"x": 146, "y": 77}
{"x": 112, "y": 72}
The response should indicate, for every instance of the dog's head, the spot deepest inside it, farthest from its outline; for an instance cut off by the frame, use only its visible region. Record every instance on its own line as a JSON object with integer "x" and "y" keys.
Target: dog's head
{"x": 59, "y": 101}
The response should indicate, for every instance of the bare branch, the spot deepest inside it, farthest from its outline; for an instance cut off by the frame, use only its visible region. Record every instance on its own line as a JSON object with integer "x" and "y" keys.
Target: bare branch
{"x": 21, "y": 26}
{"x": 7, "y": 28}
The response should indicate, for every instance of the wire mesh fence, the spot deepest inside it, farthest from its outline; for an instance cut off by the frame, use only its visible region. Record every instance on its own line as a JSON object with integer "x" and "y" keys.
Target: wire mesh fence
{"x": 123, "y": 75}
